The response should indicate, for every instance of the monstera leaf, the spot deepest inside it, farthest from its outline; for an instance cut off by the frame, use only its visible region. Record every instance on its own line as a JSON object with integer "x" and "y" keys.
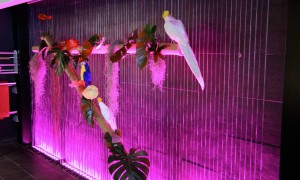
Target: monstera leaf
{"x": 134, "y": 166}
{"x": 86, "y": 106}
{"x": 60, "y": 59}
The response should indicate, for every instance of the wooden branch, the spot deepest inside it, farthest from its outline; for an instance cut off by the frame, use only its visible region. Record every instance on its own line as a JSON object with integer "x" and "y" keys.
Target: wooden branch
{"x": 171, "y": 50}
{"x": 70, "y": 71}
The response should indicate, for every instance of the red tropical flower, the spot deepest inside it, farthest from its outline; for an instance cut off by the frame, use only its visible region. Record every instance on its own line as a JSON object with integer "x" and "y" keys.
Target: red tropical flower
{"x": 44, "y": 17}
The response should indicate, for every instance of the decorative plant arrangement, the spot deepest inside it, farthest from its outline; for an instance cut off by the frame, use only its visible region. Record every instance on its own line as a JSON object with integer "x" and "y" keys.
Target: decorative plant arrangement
{"x": 37, "y": 68}
{"x": 147, "y": 50}
{"x": 147, "y": 44}
{"x": 122, "y": 165}
{"x": 62, "y": 56}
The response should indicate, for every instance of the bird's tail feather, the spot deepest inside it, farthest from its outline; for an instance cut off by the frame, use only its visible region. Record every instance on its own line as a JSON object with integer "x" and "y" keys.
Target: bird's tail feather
{"x": 192, "y": 62}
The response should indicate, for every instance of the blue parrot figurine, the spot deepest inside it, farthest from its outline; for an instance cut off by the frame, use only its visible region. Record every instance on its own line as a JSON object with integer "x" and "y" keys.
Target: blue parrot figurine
{"x": 85, "y": 73}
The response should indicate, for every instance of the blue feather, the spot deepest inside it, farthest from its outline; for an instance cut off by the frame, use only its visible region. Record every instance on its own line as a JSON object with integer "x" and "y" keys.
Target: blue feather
{"x": 87, "y": 75}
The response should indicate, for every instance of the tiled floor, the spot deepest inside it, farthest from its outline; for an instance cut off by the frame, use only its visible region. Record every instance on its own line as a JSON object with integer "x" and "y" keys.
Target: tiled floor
{"x": 20, "y": 163}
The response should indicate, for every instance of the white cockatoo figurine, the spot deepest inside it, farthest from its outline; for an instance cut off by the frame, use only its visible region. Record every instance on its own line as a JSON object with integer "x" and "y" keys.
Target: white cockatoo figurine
{"x": 107, "y": 114}
{"x": 176, "y": 31}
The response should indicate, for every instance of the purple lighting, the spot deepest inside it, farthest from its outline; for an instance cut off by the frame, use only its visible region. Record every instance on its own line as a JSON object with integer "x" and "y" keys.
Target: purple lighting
{"x": 231, "y": 130}
{"x": 45, "y": 150}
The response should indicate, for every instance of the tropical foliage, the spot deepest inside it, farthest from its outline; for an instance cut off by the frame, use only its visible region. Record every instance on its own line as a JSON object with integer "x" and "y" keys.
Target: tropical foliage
{"x": 122, "y": 165}
{"x": 118, "y": 55}
{"x": 86, "y": 107}
{"x": 147, "y": 44}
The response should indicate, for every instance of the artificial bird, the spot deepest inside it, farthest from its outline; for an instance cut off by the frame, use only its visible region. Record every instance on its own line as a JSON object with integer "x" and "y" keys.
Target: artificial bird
{"x": 107, "y": 114}
{"x": 176, "y": 31}
{"x": 85, "y": 73}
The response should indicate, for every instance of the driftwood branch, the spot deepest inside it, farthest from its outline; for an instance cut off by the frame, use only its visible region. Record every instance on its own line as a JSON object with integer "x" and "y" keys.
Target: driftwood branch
{"x": 172, "y": 49}
{"x": 70, "y": 71}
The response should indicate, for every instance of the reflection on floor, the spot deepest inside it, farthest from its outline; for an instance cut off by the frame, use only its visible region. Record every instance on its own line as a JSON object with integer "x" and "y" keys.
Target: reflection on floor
{"x": 19, "y": 162}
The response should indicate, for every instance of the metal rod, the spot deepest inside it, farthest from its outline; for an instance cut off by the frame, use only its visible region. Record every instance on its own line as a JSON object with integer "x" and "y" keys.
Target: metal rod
{"x": 9, "y": 84}
{"x": 8, "y": 72}
{"x": 7, "y": 52}
{"x": 5, "y": 58}
{"x": 13, "y": 112}
{"x": 4, "y": 65}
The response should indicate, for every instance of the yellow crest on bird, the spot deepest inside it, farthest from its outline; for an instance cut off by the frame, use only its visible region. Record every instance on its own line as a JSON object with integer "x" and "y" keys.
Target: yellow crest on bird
{"x": 82, "y": 70}
{"x": 165, "y": 14}
{"x": 99, "y": 99}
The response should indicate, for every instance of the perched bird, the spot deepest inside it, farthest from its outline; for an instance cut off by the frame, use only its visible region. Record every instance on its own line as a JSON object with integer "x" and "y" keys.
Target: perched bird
{"x": 107, "y": 114}
{"x": 176, "y": 31}
{"x": 85, "y": 73}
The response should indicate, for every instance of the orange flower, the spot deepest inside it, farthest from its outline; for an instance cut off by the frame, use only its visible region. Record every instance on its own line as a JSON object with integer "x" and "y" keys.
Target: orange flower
{"x": 71, "y": 44}
{"x": 44, "y": 17}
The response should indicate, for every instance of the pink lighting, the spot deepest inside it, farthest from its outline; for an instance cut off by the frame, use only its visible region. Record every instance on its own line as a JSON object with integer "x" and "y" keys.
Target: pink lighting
{"x": 44, "y": 151}
{"x": 231, "y": 130}
{"x": 79, "y": 171}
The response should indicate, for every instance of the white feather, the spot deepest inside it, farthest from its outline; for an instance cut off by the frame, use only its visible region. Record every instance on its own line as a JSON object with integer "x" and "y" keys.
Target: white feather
{"x": 192, "y": 62}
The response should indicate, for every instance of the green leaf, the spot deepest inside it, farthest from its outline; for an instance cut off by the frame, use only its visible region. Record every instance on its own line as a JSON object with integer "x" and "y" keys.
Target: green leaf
{"x": 139, "y": 153}
{"x": 118, "y": 173}
{"x": 146, "y": 36}
{"x": 141, "y": 57}
{"x": 143, "y": 160}
{"x": 141, "y": 166}
{"x": 122, "y": 165}
{"x": 61, "y": 59}
{"x": 94, "y": 39}
{"x": 138, "y": 174}
{"x": 153, "y": 29}
{"x": 115, "y": 166}
{"x": 112, "y": 158}
{"x": 124, "y": 176}
{"x": 62, "y": 63}
{"x": 147, "y": 29}
{"x": 86, "y": 106}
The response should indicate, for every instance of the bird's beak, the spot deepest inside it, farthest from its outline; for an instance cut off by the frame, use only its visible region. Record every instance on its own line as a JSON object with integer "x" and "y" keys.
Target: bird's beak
{"x": 165, "y": 14}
